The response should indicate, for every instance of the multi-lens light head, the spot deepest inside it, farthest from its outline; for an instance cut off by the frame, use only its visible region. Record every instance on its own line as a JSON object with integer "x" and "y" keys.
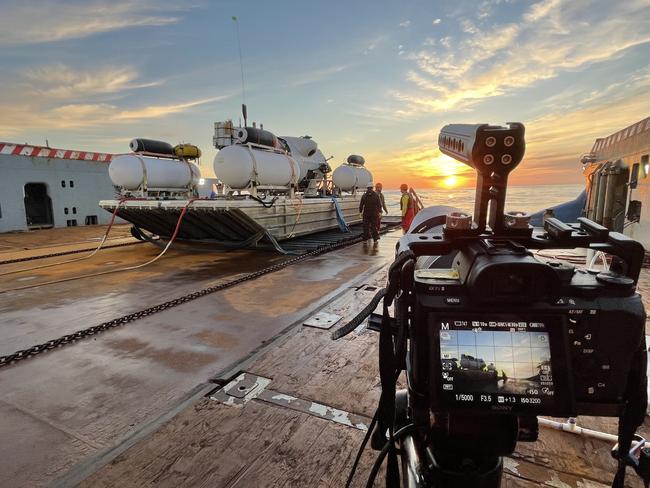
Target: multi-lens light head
{"x": 493, "y": 151}
{"x": 486, "y": 148}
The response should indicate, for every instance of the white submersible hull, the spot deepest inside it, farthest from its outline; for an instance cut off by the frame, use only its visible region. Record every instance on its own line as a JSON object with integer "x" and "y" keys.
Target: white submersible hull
{"x": 291, "y": 173}
{"x": 240, "y": 220}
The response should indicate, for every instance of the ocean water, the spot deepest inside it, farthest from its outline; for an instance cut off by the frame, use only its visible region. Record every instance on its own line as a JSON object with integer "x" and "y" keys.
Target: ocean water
{"x": 524, "y": 198}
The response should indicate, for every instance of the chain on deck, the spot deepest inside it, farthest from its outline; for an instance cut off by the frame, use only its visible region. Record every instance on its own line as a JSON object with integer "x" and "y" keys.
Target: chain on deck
{"x": 132, "y": 317}
{"x": 64, "y": 253}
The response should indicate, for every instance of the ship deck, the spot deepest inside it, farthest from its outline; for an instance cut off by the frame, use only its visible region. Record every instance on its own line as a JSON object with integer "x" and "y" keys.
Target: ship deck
{"x": 142, "y": 404}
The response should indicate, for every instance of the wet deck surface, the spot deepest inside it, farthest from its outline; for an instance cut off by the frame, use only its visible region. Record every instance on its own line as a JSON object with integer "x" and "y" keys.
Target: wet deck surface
{"x": 263, "y": 444}
{"x": 85, "y": 397}
{"x": 133, "y": 407}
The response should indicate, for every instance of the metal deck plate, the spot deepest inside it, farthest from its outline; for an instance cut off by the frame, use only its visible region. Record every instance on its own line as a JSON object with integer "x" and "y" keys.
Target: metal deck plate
{"x": 322, "y": 320}
{"x": 248, "y": 386}
{"x": 241, "y": 390}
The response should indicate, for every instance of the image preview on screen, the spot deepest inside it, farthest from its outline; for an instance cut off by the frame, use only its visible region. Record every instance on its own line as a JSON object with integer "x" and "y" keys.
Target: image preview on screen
{"x": 508, "y": 359}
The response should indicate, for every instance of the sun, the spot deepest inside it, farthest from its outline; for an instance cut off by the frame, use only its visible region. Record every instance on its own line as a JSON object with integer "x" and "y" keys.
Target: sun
{"x": 450, "y": 181}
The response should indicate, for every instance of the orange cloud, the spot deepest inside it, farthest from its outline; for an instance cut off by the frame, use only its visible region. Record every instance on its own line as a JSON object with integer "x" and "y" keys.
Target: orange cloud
{"x": 554, "y": 142}
{"x": 421, "y": 166}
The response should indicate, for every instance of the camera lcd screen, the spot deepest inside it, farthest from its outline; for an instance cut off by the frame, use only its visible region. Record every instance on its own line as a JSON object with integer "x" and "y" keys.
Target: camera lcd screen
{"x": 495, "y": 364}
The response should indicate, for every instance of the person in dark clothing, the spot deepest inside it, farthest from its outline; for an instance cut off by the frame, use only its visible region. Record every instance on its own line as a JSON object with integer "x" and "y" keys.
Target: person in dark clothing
{"x": 370, "y": 207}
{"x": 378, "y": 188}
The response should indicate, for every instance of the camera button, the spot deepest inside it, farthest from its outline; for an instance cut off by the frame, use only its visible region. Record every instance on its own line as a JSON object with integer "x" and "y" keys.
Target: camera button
{"x": 453, "y": 301}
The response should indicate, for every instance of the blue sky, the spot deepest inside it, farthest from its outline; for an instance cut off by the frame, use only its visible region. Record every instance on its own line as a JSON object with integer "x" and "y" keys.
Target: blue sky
{"x": 375, "y": 78}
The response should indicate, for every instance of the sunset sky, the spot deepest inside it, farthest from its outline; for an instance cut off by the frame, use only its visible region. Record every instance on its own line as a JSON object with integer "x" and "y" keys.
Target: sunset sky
{"x": 373, "y": 78}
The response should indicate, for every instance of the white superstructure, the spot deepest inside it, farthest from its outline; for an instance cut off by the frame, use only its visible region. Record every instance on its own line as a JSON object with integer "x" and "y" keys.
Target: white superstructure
{"x": 45, "y": 187}
{"x": 617, "y": 182}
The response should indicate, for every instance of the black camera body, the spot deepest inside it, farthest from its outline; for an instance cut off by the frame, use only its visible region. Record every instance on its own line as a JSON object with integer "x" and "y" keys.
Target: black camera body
{"x": 503, "y": 332}
{"x": 497, "y": 336}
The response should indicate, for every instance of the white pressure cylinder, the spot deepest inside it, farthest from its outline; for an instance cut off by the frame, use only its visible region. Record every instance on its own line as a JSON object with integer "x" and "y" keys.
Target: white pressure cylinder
{"x": 131, "y": 171}
{"x": 238, "y": 165}
{"x": 304, "y": 146}
{"x": 306, "y": 153}
{"x": 347, "y": 177}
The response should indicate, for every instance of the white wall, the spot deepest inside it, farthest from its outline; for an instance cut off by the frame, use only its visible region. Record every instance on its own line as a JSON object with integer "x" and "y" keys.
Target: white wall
{"x": 91, "y": 184}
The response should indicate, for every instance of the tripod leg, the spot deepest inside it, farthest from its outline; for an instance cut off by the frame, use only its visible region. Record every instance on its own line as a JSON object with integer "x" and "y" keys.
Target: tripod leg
{"x": 478, "y": 472}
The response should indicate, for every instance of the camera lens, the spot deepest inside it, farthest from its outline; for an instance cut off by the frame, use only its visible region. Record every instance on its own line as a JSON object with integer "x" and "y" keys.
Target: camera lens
{"x": 506, "y": 159}
{"x": 509, "y": 141}
{"x": 490, "y": 141}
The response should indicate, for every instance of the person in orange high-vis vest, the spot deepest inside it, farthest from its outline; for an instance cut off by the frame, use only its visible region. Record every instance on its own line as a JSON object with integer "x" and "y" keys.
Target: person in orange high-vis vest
{"x": 407, "y": 206}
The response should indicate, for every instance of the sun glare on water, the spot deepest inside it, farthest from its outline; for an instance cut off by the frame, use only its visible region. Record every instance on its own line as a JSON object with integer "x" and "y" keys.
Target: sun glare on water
{"x": 447, "y": 172}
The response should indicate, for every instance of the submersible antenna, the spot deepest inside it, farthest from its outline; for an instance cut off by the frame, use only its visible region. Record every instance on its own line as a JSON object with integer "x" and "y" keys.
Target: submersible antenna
{"x": 241, "y": 66}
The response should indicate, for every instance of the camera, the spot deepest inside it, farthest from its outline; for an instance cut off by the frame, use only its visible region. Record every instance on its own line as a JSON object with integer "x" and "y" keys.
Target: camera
{"x": 489, "y": 336}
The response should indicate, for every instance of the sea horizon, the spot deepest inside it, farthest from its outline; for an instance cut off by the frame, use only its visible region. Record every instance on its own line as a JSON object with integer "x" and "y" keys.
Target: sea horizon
{"x": 518, "y": 197}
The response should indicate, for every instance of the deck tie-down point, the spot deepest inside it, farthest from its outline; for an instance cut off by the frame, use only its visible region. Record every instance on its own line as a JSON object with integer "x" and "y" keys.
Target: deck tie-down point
{"x": 247, "y": 387}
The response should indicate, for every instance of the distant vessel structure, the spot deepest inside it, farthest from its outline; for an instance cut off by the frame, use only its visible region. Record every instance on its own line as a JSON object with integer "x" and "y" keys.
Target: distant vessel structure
{"x": 617, "y": 184}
